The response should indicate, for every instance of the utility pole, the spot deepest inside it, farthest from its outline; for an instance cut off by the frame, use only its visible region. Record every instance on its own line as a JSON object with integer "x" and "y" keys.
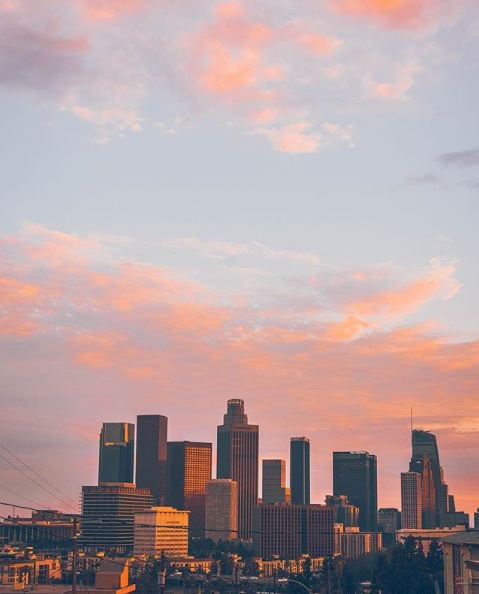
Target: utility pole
{"x": 74, "y": 557}
{"x": 162, "y": 574}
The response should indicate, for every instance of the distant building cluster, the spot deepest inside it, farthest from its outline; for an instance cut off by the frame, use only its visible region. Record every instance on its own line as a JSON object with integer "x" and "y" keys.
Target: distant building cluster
{"x": 171, "y": 498}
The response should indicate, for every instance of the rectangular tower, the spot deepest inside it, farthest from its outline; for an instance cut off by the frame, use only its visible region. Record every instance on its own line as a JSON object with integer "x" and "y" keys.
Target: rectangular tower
{"x": 355, "y": 475}
{"x": 237, "y": 459}
{"x": 151, "y": 453}
{"x": 411, "y": 500}
{"x": 189, "y": 470}
{"x": 300, "y": 471}
{"x": 222, "y": 510}
{"x": 274, "y": 481}
{"x": 117, "y": 450}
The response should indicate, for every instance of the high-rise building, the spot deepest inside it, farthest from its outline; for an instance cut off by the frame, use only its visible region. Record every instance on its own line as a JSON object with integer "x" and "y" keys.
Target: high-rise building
{"x": 299, "y": 470}
{"x": 476, "y": 519}
{"x": 274, "y": 481}
{"x": 189, "y": 470}
{"x": 161, "y": 530}
{"x": 355, "y": 475}
{"x": 117, "y": 451}
{"x": 411, "y": 500}
{"x": 424, "y": 447}
{"x": 222, "y": 510}
{"x": 108, "y": 515}
{"x": 151, "y": 455}
{"x": 355, "y": 544}
{"x": 289, "y": 531}
{"x": 344, "y": 513}
{"x": 237, "y": 459}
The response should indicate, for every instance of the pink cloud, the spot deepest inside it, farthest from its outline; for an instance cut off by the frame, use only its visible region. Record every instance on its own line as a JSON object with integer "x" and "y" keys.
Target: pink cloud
{"x": 297, "y": 138}
{"x": 392, "y": 13}
{"x": 133, "y": 337}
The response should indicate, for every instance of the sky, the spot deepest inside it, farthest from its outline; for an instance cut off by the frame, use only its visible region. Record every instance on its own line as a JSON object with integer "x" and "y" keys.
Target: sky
{"x": 271, "y": 200}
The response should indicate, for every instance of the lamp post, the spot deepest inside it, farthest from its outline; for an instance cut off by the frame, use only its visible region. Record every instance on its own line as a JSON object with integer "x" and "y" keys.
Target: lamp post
{"x": 301, "y": 584}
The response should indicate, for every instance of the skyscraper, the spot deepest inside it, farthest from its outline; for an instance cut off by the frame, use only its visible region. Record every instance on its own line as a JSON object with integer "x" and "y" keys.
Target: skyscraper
{"x": 222, "y": 510}
{"x": 117, "y": 450}
{"x": 237, "y": 459}
{"x": 355, "y": 475}
{"x": 151, "y": 452}
{"x": 189, "y": 470}
{"x": 411, "y": 500}
{"x": 274, "y": 481}
{"x": 425, "y": 460}
{"x": 299, "y": 470}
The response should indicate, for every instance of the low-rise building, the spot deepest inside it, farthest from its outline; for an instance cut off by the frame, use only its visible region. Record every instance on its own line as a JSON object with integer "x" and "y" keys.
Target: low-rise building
{"x": 161, "y": 530}
{"x": 355, "y": 544}
{"x": 427, "y": 535}
{"x": 461, "y": 562}
{"x": 24, "y": 572}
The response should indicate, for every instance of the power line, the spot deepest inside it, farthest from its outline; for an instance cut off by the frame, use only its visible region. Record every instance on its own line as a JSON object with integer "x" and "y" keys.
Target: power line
{"x": 4, "y": 447}
{"x": 22, "y": 497}
{"x": 35, "y": 481}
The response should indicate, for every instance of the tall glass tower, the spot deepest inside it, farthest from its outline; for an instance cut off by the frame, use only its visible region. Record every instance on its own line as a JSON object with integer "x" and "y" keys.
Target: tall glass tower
{"x": 300, "y": 470}
{"x": 117, "y": 449}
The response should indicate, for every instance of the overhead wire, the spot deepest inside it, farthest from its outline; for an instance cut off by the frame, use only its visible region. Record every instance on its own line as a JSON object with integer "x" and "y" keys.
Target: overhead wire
{"x": 34, "y": 481}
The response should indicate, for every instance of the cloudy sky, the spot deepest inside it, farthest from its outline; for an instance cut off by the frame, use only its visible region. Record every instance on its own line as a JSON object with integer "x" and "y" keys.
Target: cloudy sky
{"x": 275, "y": 200}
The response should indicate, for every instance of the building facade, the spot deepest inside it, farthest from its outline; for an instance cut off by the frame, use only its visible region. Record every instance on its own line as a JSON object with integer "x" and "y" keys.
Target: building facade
{"x": 108, "y": 513}
{"x": 355, "y": 475}
{"x": 222, "y": 510}
{"x": 411, "y": 500}
{"x": 161, "y": 530}
{"x": 300, "y": 472}
{"x": 117, "y": 451}
{"x": 151, "y": 455}
{"x": 289, "y": 531}
{"x": 274, "y": 481}
{"x": 344, "y": 513}
{"x": 189, "y": 470}
{"x": 389, "y": 521}
{"x": 461, "y": 563}
{"x": 355, "y": 544}
{"x": 237, "y": 459}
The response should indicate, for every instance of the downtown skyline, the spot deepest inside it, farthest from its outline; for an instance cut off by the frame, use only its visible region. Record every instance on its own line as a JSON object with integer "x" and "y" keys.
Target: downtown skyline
{"x": 273, "y": 202}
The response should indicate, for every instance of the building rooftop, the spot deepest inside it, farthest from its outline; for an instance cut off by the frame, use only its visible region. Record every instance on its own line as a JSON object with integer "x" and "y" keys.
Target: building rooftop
{"x": 467, "y": 537}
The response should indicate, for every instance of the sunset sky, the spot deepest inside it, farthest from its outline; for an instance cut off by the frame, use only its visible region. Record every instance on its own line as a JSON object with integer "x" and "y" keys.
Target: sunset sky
{"x": 276, "y": 200}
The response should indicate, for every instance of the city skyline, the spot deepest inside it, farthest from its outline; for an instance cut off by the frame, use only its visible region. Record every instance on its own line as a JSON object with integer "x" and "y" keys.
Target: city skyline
{"x": 240, "y": 199}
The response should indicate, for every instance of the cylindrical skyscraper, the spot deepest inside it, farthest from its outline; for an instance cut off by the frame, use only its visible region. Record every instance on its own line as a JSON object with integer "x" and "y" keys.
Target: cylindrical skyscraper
{"x": 237, "y": 459}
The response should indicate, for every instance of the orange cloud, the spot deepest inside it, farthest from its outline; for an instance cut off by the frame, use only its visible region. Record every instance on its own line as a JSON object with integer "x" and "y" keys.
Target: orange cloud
{"x": 132, "y": 338}
{"x": 438, "y": 282}
{"x": 393, "y": 13}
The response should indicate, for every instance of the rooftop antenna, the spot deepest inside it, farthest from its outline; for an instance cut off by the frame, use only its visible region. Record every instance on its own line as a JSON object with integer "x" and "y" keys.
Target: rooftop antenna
{"x": 411, "y": 421}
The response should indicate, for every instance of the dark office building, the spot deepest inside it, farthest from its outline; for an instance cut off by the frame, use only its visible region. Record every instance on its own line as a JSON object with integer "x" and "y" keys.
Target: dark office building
{"x": 189, "y": 470}
{"x": 299, "y": 471}
{"x": 289, "y": 531}
{"x": 108, "y": 513}
{"x": 274, "y": 481}
{"x": 355, "y": 475}
{"x": 151, "y": 455}
{"x": 389, "y": 521}
{"x": 237, "y": 459}
{"x": 117, "y": 452}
